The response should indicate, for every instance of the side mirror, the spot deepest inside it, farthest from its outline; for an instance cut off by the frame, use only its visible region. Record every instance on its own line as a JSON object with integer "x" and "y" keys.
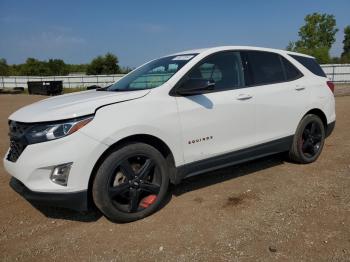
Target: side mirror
{"x": 195, "y": 87}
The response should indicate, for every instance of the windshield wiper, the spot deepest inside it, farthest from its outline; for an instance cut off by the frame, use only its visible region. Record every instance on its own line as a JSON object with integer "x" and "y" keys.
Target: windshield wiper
{"x": 128, "y": 89}
{"x": 103, "y": 88}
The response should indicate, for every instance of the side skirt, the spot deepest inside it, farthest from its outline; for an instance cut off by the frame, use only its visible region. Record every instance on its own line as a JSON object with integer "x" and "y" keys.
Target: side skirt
{"x": 232, "y": 158}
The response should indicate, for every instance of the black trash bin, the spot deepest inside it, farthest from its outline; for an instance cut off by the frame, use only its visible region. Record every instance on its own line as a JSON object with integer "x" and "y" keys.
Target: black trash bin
{"x": 45, "y": 87}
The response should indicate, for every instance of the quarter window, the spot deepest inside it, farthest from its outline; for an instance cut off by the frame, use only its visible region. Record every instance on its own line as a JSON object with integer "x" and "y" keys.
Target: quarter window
{"x": 224, "y": 69}
{"x": 311, "y": 64}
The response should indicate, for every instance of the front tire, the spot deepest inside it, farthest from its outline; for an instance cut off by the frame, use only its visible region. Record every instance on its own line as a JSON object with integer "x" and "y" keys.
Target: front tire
{"x": 131, "y": 183}
{"x": 308, "y": 140}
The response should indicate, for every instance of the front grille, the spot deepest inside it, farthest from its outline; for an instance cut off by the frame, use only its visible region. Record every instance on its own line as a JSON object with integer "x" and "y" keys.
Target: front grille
{"x": 16, "y": 150}
{"x": 17, "y": 140}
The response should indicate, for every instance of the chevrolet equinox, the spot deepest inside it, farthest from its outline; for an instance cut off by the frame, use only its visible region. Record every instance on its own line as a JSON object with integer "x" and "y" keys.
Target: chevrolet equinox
{"x": 120, "y": 146}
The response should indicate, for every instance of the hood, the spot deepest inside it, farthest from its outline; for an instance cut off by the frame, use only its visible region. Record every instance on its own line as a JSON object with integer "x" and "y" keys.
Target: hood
{"x": 72, "y": 105}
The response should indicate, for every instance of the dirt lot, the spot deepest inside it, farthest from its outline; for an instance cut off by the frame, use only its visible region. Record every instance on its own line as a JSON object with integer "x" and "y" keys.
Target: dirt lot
{"x": 264, "y": 210}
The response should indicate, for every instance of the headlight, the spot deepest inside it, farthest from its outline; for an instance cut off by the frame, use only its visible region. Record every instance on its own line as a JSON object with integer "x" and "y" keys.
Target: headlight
{"x": 45, "y": 132}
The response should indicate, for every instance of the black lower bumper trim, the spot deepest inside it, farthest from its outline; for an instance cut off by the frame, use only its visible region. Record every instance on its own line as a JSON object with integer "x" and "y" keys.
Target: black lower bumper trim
{"x": 330, "y": 128}
{"x": 76, "y": 201}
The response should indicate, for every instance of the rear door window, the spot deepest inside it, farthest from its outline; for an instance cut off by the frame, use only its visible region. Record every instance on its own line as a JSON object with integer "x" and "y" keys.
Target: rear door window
{"x": 262, "y": 68}
{"x": 311, "y": 64}
{"x": 291, "y": 71}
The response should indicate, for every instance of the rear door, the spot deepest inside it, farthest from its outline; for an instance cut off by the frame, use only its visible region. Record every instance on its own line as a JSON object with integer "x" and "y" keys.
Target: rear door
{"x": 221, "y": 121}
{"x": 280, "y": 94}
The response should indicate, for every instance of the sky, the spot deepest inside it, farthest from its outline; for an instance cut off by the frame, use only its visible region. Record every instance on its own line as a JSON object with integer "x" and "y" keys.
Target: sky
{"x": 137, "y": 31}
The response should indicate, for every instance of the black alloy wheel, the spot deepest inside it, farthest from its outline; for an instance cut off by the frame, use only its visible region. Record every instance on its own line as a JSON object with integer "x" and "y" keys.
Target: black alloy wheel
{"x": 308, "y": 140}
{"x": 311, "y": 139}
{"x": 131, "y": 183}
{"x": 135, "y": 185}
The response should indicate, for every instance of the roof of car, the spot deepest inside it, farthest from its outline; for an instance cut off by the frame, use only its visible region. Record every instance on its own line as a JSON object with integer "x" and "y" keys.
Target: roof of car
{"x": 224, "y": 48}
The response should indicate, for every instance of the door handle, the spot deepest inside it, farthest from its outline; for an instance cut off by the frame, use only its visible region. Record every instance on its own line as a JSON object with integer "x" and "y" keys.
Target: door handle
{"x": 299, "y": 88}
{"x": 244, "y": 97}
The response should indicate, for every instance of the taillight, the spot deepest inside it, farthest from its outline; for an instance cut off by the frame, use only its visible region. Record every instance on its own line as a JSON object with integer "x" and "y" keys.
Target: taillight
{"x": 330, "y": 84}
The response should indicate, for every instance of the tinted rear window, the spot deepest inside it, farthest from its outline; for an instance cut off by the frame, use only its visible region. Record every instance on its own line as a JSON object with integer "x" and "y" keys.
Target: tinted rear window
{"x": 264, "y": 68}
{"x": 311, "y": 64}
{"x": 292, "y": 72}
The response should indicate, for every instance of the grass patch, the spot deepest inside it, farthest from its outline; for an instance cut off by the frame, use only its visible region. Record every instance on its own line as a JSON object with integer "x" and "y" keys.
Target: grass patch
{"x": 73, "y": 90}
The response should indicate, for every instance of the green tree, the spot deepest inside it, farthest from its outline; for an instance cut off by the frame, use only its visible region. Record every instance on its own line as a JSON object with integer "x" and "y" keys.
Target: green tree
{"x": 95, "y": 67}
{"x": 77, "y": 68}
{"x": 345, "y": 56}
{"x": 335, "y": 60}
{"x": 107, "y": 64}
{"x": 125, "y": 70}
{"x": 34, "y": 67}
{"x": 319, "y": 31}
{"x": 101, "y": 65}
{"x": 291, "y": 46}
{"x": 57, "y": 67}
{"x": 4, "y": 68}
{"x": 317, "y": 36}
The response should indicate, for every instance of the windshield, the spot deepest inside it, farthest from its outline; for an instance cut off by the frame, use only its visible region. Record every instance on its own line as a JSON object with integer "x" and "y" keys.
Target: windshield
{"x": 152, "y": 74}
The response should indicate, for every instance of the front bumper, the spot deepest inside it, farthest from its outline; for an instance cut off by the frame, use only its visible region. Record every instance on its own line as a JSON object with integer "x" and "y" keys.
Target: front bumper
{"x": 34, "y": 167}
{"x": 76, "y": 201}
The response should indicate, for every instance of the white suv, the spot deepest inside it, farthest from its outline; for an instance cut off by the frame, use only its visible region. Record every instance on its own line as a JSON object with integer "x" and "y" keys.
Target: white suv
{"x": 119, "y": 147}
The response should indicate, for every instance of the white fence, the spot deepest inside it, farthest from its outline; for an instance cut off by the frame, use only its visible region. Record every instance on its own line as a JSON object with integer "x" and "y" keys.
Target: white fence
{"x": 339, "y": 73}
{"x": 68, "y": 81}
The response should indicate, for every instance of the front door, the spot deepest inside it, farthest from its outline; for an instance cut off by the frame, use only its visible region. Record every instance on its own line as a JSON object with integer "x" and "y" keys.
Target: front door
{"x": 222, "y": 121}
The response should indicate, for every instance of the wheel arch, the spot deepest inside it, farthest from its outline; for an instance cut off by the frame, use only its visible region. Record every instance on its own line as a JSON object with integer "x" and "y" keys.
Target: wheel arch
{"x": 151, "y": 140}
{"x": 318, "y": 112}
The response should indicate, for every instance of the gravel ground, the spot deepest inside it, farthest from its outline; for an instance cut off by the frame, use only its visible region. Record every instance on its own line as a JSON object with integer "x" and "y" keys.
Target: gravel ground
{"x": 263, "y": 210}
{"x": 342, "y": 89}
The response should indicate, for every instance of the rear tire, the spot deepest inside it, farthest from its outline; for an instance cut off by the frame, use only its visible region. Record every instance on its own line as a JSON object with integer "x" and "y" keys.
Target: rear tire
{"x": 131, "y": 183}
{"x": 308, "y": 140}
